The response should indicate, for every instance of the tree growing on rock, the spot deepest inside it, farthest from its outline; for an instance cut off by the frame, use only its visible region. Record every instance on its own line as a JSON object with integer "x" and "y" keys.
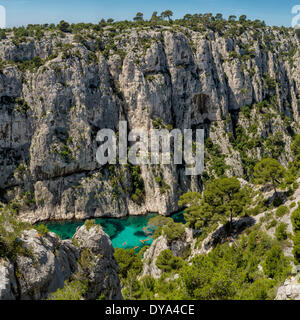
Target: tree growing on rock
{"x": 226, "y": 197}
{"x": 242, "y": 18}
{"x": 167, "y": 227}
{"x": 269, "y": 171}
{"x": 223, "y": 199}
{"x": 167, "y": 14}
{"x": 295, "y": 148}
{"x": 187, "y": 17}
{"x": 127, "y": 261}
{"x": 219, "y": 16}
{"x": 275, "y": 264}
{"x": 139, "y": 17}
{"x": 296, "y": 238}
{"x": 167, "y": 262}
{"x": 64, "y": 26}
{"x": 154, "y": 17}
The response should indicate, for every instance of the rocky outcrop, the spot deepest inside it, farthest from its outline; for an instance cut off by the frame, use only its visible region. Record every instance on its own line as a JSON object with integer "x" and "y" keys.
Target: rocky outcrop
{"x": 179, "y": 247}
{"x": 102, "y": 274}
{"x": 8, "y": 285}
{"x": 290, "y": 290}
{"x": 51, "y": 261}
{"x": 51, "y": 110}
{"x": 150, "y": 256}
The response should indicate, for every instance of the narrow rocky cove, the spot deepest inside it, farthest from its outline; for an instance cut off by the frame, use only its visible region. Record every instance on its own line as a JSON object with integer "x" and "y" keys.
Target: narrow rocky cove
{"x": 72, "y": 229}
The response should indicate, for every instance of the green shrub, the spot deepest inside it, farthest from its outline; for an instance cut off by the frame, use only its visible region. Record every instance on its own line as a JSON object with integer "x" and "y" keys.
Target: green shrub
{"x": 271, "y": 224}
{"x": 167, "y": 227}
{"x": 86, "y": 259}
{"x": 296, "y": 219}
{"x": 74, "y": 290}
{"x": 64, "y": 26}
{"x": 128, "y": 261}
{"x": 89, "y": 224}
{"x": 260, "y": 289}
{"x": 296, "y": 249}
{"x": 173, "y": 230}
{"x": 246, "y": 111}
{"x": 138, "y": 190}
{"x": 296, "y": 146}
{"x": 11, "y": 229}
{"x": 148, "y": 283}
{"x": 292, "y": 205}
{"x": 280, "y": 232}
{"x": 167, "y": 262}
{"x": 281, "y": 211}
{"x": 296, "y": 239}
{"x": 42, "y": 229}
{"x": 276, "y": 264}
{"x": 277, "y": 201}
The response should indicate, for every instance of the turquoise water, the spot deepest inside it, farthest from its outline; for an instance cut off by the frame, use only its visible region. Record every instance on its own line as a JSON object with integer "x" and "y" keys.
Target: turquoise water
{"x": 124, "y": 233}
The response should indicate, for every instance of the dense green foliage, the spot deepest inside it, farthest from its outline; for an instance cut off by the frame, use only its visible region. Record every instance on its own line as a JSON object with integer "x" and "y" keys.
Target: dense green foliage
{"x": 280, "y": 231}
{"x": 11, "y": 229}
{"x": 197, "y": 22}
{"x": 295, "y": 148}
{"x": 72, "y": 290}
{"x": 138, "y": 192}
{"x": 296, "y": 238}
{"x": 275, "y": 265}
{"x": 222, "y": 200}
{"x": 167, "y": 262}
{"x": 269, "y": 171}
{"x": 227, "y": 272}
{"x": 167, "y": 227}
{"x": 281, "y": 211}
{"x": 231, "y": 272}
{"x": 128, "y": 261}
{"x": 296, "y": 219}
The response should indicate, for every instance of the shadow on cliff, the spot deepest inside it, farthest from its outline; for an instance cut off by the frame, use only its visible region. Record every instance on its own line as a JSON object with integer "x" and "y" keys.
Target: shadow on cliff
{"x": 223, "y": 234}
{"x": 275, "y": 199}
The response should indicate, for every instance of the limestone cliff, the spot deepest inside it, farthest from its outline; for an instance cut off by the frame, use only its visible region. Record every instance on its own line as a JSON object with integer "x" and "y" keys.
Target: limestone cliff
{"x": 52, "y": 261}
{"x": 58, "y": 90}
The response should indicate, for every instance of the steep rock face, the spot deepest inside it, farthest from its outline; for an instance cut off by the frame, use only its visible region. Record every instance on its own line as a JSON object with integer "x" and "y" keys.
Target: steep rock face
{"x": 149, "y": 267}
{"x": 51, "y": 112}
{"x": 290, "y": 290}
{"x": 8, "y": 283}
{"x": 103, "y": 274}
{"x": 52, "y": 261}
{"x": 178, "y": 247}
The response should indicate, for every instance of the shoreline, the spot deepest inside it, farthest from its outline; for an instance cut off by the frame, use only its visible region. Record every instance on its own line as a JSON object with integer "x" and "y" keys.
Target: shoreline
{"x": 102, "y": 217}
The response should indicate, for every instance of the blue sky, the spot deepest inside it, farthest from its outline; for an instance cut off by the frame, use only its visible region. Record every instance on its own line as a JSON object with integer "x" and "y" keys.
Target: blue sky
{"x": 22, "y": 12}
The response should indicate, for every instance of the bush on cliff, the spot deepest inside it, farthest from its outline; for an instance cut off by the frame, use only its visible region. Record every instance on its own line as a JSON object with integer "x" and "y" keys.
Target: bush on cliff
{"x": 223, "y": 199}
{"x": 167, "y": 262}
{"x": 280, "y": 232}
{"x": 296, "y": 237}
{"x": 128, "y": 261}
{"x": 72, "y": 290}
{"x": 167, "y": 227}
{"x": 11, "y": 229}
{"x": 296, "y": 219}
{"x": 275, "y": 264}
